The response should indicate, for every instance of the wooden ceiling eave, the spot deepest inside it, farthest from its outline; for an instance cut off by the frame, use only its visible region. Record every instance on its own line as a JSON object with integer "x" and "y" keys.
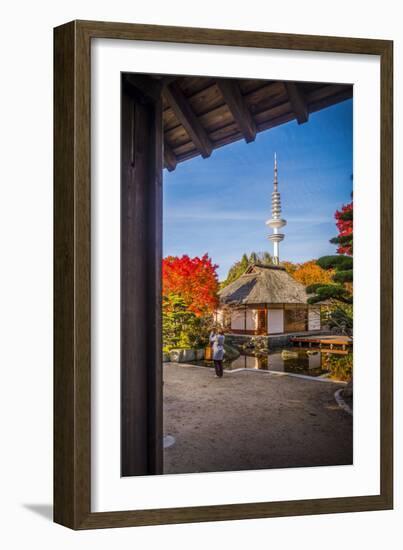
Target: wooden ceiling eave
{"x": 203, "y": 114}
{"x": 170, "y": 159}
{"x": 238, "y": 108}
{"x": 188, "y": 119}
{"x": 298, "y": 103}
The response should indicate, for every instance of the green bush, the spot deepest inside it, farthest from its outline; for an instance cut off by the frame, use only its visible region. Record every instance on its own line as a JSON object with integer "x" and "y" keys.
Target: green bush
{"x": 181, "y": 328}
{"x": 340, "y": 367}
{"x": 339, "y": 316}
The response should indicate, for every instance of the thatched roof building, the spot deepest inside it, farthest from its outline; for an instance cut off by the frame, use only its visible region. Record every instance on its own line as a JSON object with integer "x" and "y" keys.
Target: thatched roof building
{"x": 267, "y": 300}
{"x": 264, "y": 284}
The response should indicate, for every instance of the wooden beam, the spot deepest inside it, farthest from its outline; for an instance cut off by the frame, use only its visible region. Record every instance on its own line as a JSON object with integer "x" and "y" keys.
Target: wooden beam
{"x": 174, "y": 96}
{"x": 144, "y": 86}
{"x": 170, "y": 159}
{"x": 166, "y": 80}
{"x": 330, "y": 100}
{"x": 239, "y": 110}
{"x": 297, "y": 101}
{"x": 323, "y": 92}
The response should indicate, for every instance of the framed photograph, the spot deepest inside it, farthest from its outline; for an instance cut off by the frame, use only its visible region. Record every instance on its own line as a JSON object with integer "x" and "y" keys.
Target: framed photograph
{"x": 211, "y": 314}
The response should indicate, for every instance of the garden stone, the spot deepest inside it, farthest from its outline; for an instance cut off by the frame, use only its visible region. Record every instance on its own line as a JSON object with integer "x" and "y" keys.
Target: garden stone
{"x": 182, "y": 355}
{"x": 176, "y": 355}
{"x": 348, "y": 390}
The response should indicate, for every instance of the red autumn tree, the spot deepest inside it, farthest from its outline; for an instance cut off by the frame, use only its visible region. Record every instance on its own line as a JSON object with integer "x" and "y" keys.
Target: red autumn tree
{"x": 344, "y": 222}
{"x": 195, "y": 280}
{"x": 341, "y": 287}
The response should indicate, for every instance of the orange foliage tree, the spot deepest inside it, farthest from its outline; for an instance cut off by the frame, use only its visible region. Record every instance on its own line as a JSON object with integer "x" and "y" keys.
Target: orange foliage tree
{"x": 195, "y": 280}
{"x": 308, "y": 273}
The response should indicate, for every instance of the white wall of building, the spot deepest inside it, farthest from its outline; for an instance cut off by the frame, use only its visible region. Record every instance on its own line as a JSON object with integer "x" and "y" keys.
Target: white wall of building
{"x": 238, "y": 320}
{"x": 314, "y": 318}
{"x": 251, "y": 319}
{"x": 275, "y": 321}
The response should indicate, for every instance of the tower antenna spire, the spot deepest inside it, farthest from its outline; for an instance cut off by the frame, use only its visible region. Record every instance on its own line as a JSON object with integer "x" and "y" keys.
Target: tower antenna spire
{"x": 276, "y": 222}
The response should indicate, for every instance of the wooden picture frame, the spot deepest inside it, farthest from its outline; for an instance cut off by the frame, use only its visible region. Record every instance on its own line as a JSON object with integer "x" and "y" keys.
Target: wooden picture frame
{"x": 72, "y": 285}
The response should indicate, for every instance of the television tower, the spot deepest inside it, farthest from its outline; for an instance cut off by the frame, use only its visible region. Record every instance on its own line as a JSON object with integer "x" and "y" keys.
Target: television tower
{"x": 276, "y": 222}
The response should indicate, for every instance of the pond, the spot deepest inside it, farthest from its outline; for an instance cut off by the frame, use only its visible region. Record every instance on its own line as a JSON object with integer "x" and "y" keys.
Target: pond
{"x": 308, "y": 362}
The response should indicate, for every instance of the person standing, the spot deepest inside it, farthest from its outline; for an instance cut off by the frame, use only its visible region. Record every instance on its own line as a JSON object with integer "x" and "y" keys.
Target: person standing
{"x": 211, "y": 339}
{"x": 218, "y": 352}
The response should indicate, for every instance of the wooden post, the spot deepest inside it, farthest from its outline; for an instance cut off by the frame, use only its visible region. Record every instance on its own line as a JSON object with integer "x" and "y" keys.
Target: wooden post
{"x": 141, "y": 238}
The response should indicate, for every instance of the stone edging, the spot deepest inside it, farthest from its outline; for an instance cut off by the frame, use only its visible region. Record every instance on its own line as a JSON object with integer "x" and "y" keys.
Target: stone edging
{"x": 338, "y": 395}
{"x": 276, "y": 373}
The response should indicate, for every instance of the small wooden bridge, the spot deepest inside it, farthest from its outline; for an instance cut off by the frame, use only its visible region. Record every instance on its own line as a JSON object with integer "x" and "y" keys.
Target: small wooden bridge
{"x": 334, "y": 344}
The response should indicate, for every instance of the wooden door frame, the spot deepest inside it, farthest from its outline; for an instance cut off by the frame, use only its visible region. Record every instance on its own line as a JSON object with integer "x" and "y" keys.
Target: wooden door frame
{"x": 141, "y": 257}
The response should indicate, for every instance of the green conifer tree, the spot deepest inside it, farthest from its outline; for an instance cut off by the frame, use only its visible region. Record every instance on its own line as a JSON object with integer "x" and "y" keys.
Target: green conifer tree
{"x": 340, "y": 290}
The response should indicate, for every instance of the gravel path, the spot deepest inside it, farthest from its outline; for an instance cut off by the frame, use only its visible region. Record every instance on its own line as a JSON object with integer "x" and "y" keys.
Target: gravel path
{"x": 250, "y": 420}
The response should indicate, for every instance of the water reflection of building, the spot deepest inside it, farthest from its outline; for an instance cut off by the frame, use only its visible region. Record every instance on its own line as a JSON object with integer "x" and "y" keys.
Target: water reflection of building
{"x": 247, "y": 362}
{"x": 266, "y": 299}
{"x": 310, "y": 364}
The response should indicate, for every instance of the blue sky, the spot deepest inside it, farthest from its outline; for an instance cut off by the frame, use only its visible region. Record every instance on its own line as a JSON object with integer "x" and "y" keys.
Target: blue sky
{"x": 219, "y": 205}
